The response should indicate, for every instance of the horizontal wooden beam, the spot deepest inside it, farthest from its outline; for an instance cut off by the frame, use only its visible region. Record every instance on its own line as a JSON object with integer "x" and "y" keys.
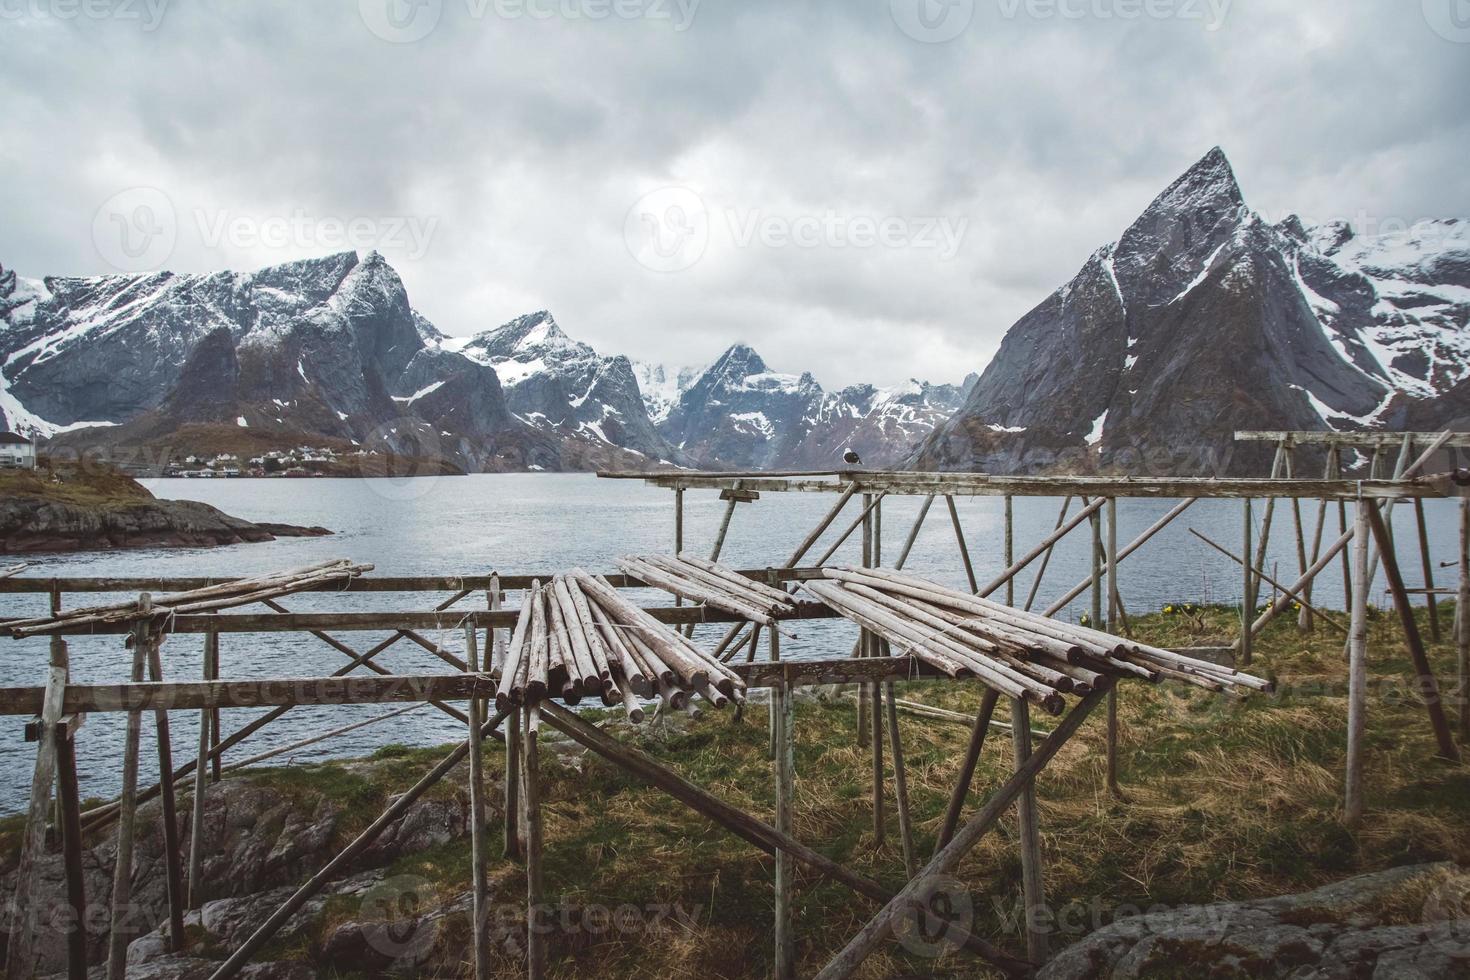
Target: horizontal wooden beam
{"x": 984, "y": 485}
{"x": 381, "y": 621}
{"x": 393, "y": 689}
{"x": 1459, "y": 440}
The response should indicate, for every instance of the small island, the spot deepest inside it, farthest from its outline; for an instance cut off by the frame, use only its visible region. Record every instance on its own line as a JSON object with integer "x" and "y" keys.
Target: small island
{"x": 87, "y": 505}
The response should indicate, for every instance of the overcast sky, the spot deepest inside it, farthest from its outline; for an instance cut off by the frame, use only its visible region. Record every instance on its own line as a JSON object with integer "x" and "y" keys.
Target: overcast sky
{"x": 866, "y": 189}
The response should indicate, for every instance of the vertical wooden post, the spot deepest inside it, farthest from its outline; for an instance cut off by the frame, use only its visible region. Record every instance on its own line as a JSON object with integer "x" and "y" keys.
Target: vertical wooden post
{"x": 172, "y": 850}
{"x": 1347, "y": 567}
{"x": 1046, "y": 557}
{"x": 23, "y": 918}
{"x": 871, "y": 559}
{"x": 785, "y": 788}
{"x": 69, "y": 800}
{"x": 535, "y": 913}
{"x": 196, "y": 814}
{"x": 1095, "y": 618}
{"x": 1427, "y": 564}
{"x": 1247, "y": 588}
{"x": 211, "y": 667}
{"x": 1010, "y": 546}
{"x": 1112, "y": 627}
{"x": 1462, "y": 621}
{"x": 901, "y": 788}
{"x": 1304, "y": 620}
{"x": 122, "y": 876}
{"x": 1357, "y": 672}
{"x": 480, "y": 895}
{"x": 1033, "y": 894}
{"x": 513, "y": 781}
{"x": 864, "y": 734}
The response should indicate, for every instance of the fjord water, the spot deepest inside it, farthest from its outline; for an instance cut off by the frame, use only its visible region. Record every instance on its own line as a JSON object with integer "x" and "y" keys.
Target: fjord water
{"x": 544, "y": 523}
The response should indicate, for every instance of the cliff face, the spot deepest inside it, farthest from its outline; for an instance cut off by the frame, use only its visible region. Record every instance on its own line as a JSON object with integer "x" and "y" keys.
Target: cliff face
{"x": 1202, "y": 319}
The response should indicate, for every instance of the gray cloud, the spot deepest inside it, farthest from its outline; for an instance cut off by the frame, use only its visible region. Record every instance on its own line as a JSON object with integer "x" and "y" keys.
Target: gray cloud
{"x": 522, "y": 142}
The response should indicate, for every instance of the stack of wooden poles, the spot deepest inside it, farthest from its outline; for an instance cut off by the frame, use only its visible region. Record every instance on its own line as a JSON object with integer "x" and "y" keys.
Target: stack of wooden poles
{"x": 1017, "y": 653}
{"x": 700, "y": 580}
{"x": 213, "y": 598}
{"x": 577, "y": 637}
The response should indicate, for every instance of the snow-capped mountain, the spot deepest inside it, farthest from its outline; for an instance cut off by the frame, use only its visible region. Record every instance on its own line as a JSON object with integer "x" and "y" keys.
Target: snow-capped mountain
{"x": 738, "y": 413}
{"x": 561, "y": 385}
{"x": 1202, "y": 319}
{"x": 320, "y": 349}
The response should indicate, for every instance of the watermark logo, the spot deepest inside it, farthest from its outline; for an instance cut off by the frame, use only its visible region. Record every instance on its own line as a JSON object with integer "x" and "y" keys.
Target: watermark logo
{"x": 941, "y": 915}
{"x": 393, "y": 925}
{"x": 932, "y": 21}
{"x": 401, "y": 21}
{"x": 1450, "y": 19}
{"x": 940, "y": 233}
{"x": 136, "y": 230}
{"x": 407, "y": 454}
{"x": 1447, "y": 912}
{"x": 1210, "y": 13}
{"x": 408, "y": 235}
{"x": 667, "y": 230}
{"x": 148, "y": 14}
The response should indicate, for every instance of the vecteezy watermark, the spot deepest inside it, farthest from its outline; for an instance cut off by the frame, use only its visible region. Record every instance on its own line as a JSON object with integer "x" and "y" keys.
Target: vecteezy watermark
{"x": 136, "y": 230}
{"x": 941, "y": 916}
{"x": 1210, "y": 13}
{"x": 148, "y": 14}
{"x": 667, "y": 230}
{"x": 833, "y": 230}
{"x": 407, "y": 21}
{"x": 1450, "y": 19}
{"x": 393, "y": 924}
{"x": 409, "y": 235}
{"x": 932, "y": 21}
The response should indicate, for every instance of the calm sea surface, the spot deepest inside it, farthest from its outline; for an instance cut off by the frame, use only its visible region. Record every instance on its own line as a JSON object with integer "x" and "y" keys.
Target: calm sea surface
{"x": 542, "y": 523}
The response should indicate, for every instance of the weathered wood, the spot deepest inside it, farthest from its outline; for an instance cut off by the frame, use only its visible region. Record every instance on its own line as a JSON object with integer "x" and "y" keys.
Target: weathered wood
{"x": 196, "y": 813}
{"x": 967, "y": 769}
{"x": 1287, "y": 591}
{"x": 1357, "y": 673}
{"x": 870, "y": 503}
{"x": 122, "y": 879}
{"x": 1127, "y": 550}
{"x": 785, "y": 719}
{"x": 959, "y": 537}
{"x": 1427, "y": 686}
{"x": 513, "y": 786}
{"x": 1114, "y": 609}
{"x": 1010, "y": 547}
{"x": 881, "y": 926}
{"x": 1029, "y": 838}
{"x": 1462, "y": 621}
{"x": 1046, "y": 556}
{"x": 69, "y": 802}
{"x": 479, "y": 884}
{"x": 1365, "y": 440}
{"x": 901, "y": 787}
{"x": 1427, "y": 570}
{"x": 535, "y": 902}
{"x": 24, "y": 918}
{"x": 1044, "y": 547}
{"x": 174, "y": 939}
{"x": 1247, "y": 589}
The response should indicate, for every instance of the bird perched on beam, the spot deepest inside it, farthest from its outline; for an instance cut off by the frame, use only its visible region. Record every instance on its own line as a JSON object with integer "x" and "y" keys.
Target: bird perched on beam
{"x": 852, "y": 459}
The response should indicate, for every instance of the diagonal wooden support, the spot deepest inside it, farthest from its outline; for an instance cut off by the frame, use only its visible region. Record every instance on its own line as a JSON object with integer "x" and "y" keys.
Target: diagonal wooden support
{"x": 959, "y": 537}
{"x": 1123, "y": 553}
{"x": 742, "y": 824}
{"x": 171, "y": 848}
{"x": 967, "y": 768}
{"x": 912, "y": 897}
{"x": 1427, "y": 684}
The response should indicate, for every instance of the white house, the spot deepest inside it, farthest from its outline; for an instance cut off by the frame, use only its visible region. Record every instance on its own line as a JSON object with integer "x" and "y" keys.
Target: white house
{"x": 16, "y": 452}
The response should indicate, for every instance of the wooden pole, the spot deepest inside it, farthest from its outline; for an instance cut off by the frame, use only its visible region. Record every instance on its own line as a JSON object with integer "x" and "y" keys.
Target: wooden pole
{"x": 1342, "y": 530}
{"x": 478, "y": 883}
{"x": 1247, "y": 588}
{"x": 513, "y": 782}
{"x": 531, "y": 771}
{"x": 913, "y": 895}
{"x": 1123, "y": 553}
{"x": 1095, "y": 619}
{"x": 1428, "y": 686}
{"x": 122, "y": 875}
{"x": 1046, "y": 556}
{"x": 864, "y": 732}
{"x": 24, "y": 920}
{"x": 1462, "y": 620}
{"x": 69, "y": 799}
{"x": 959, "y": 536}
{"x": 1304, "y": 622}
{"x": 967, "y": 768}
{"x": 901, "y": 788}
{"x": 1033, "y": 894}
{"x": 1427, "y": 566}
{"x": 875, "y": 693}
{"x": 172, "y": 850}
{"x": 196, "y": 815}
{"x": 211, "y": 655}
{"x": 1357, "y": 672}
{"x": 1114, "y": 607}
{"x": 1010, "y": 545}
{"x": 785, "y": 789}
